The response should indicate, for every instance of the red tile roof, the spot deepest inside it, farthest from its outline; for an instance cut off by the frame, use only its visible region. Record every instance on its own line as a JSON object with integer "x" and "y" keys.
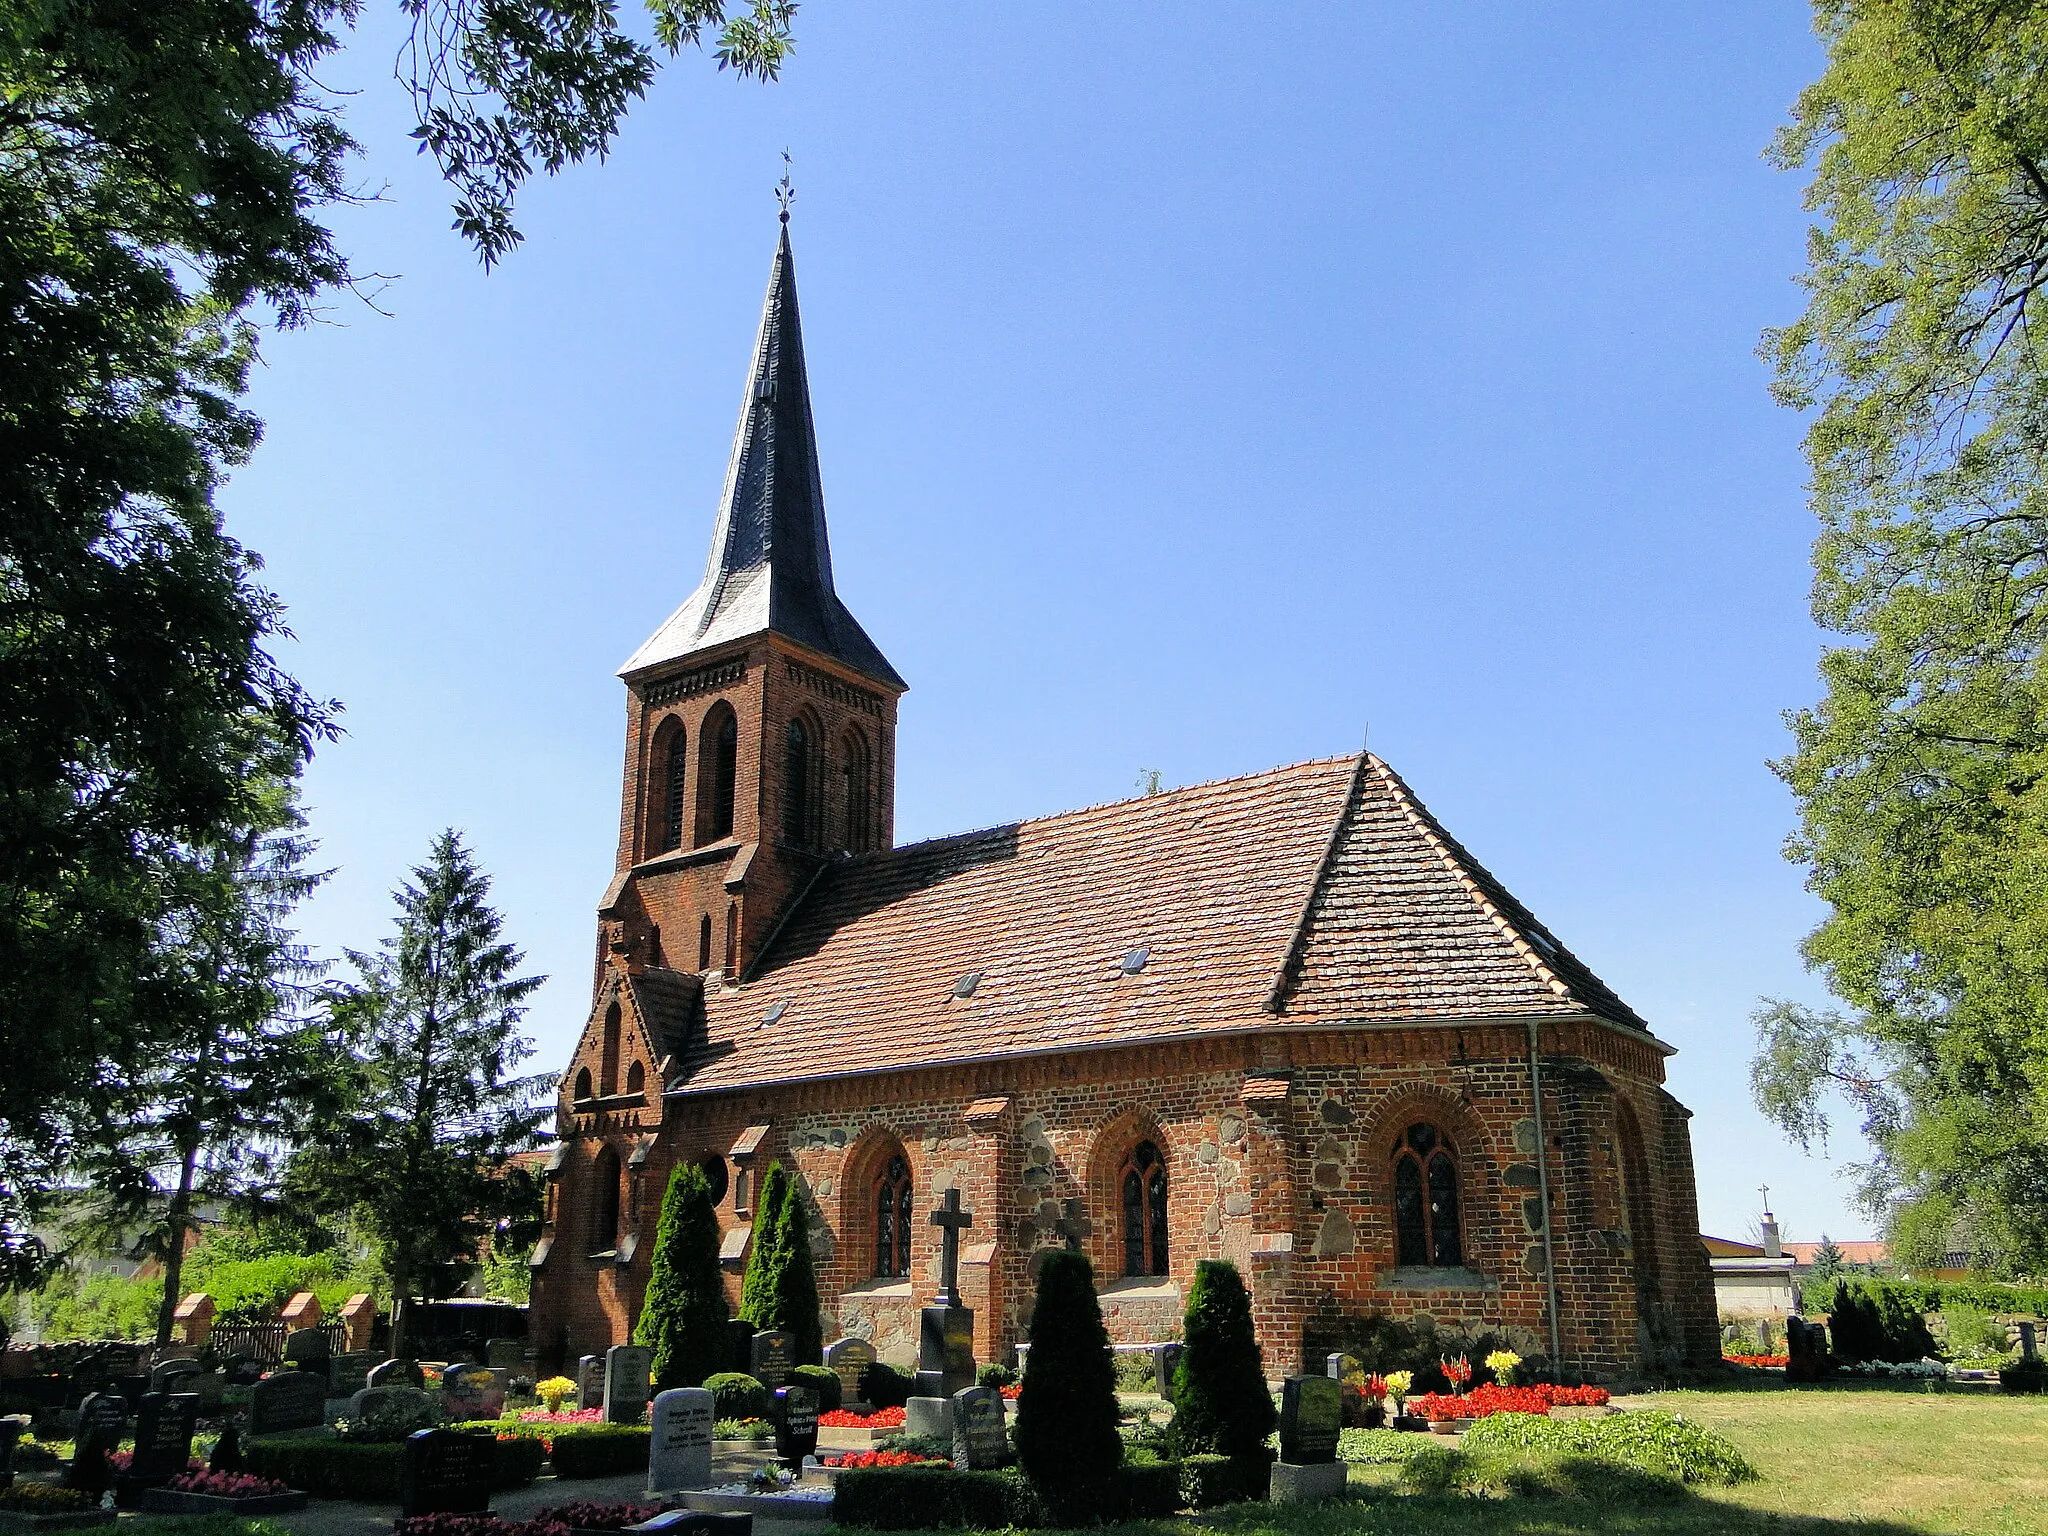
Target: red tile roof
{"x": 1318, "y": 891}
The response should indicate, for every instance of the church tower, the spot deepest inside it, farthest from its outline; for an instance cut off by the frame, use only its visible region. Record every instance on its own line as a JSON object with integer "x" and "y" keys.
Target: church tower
{"x": 760, "y": 718}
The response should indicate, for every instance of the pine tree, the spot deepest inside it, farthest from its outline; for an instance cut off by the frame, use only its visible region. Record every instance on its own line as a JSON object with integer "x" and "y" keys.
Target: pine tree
{"x": 796, "y": 1278}
{"x": 764, "y": 1253}
{"x": 1067, "y": 1413}
{"x": 1220, "y": 1403}
{"x": 684, "y": 1319}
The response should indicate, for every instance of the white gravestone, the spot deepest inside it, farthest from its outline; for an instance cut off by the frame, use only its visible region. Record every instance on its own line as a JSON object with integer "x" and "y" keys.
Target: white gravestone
{"x": 679, "y": 1451}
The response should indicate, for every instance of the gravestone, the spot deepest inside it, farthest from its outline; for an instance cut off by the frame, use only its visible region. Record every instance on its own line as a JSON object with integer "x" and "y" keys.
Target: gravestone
{"x": 740, "y": 1346}
{"x": 95, "y": 1440}
{"x": 90, "y": 1375}
{"x": 929, "y": 1417}
{"x": 1337, "y": 1367}
{"x": 1763, "y": 1336}
{"x": 590, "y": 1381}
{"x": 1311, "y": 1414}
{"x": 163, "y": 1437}
{"x": 376, "y": 1399}
{"x": 395, "y": 1373}
{"x": 679, "y": 1451}
{"x": 626, "y": 1369}
{"x": 472, "y": 1392}
{"x": 945, "y": 1334}
{"x": 287, "y": 1400}
{"x": 772, "y": 1357}
{"x": 106, "y": 1413}
{"x": 308, "y": 1349}
{"x": 1165, "y": 1361}
{"x": 242, "y": 1369}
{"x": 443, "y": 1472}
{"x": 848, "y": 1359}
{"x": 164, "y": 1377}
{"x": 980, "y": 1440}
{"x": 505, "y": 1354}
{"x": 11, "y": 1430}
{"x": 796, "y": 1426}
{"x": 1806, "y": 1350}
{"x": 2030, "y": 1348}
{"x": 349, "y": 1374}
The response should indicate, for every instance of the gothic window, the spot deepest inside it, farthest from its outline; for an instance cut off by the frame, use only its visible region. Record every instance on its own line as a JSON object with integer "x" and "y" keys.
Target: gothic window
{"x": 1143, "y": 1182}
{"x": 608, "y": 1067}
{"x": 636, "y": 1078}
{"x": 582, "y": 1083}
{"x": 796, "y": 784}
{"x": 732, "y": 938}
{"x": 857, "y": 792}
{"x": 672, "y": 807}
{"x": 704, "y": 942}
{"x": 1635, "y": 1181}
{"x": 893, "y": 1219}
{"x": 1426, "y": 1199}
{"x": 604, "y": 1202}
{"x": 718, "y": 768}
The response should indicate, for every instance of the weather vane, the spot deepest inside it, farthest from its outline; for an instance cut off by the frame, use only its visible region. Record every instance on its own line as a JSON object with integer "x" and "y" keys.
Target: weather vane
{"x": 785, "y": 193}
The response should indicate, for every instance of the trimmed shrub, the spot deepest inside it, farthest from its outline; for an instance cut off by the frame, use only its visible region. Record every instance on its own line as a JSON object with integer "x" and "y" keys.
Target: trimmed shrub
{"x": 1870, "y": 1320}
{"x": 886, "y": 1387}
{"x": 334, "y": 1469}
{"x": 1220, "y": 1403}
{"x": 600, "y": 1450}
{"x": 994, "y": 1375}
{"x": 1067, "y": 1413}
{"x": 764, "y": 1258}
{"x": 737, "y": 1395}
{"x": 1151, "y": 1489}
{"x": 1207, "y": 1480}
{"x": 823, "y": 1382}
{"x": 922, "y": 1499}
{"x": 1650, "y": 1441}
{"x": 2024, "y": 1376}
{"x": 796, "y": 1280}
{"x": 684, "y": 1319}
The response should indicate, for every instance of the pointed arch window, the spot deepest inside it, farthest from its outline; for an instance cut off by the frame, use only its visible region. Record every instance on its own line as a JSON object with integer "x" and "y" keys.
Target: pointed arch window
{"x": 1426, "y": 1223}
{"x": 608, "y": 1066}
{"x": 636, "y": 1078}
{"x": 582, "y": 1084}
{"x": 604, "y": 1203}
{"x": 893, "y": 1219}
{"x": 704, "y": 942}
{"x": 796, "y": 784}
{"x": 672, "y": 806}
{"x": 718, "y": 770}
{"x": 1143, "y": 1184}
{"x": 857, "y": 793}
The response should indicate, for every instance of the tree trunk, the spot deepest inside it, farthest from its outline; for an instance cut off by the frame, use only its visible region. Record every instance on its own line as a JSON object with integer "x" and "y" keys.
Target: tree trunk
{"x": 401, "y": 1298}
{"x": 174, "y": 1255}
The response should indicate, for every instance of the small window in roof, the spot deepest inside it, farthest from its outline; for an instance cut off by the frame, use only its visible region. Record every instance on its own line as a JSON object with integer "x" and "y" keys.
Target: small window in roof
{"x": 775, "y": 1012}
{"x": 1543, "y": 942}
{"x": 1134, "y": 962}
{"x": 965, "y": 986}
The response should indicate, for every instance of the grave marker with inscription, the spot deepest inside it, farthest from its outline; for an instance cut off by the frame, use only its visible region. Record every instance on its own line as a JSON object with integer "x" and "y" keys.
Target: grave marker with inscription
{"x": 472, "y": 1392}
{"x": 849, "y": 1360}
{"x": 163, "y": 1437}
{"x": 287, "y": 1400}
{"x": 980, "y": 1436}
{"x": 443, "y": 1472}
{"x": 773, "y": 1357}
{"x": 627, "y": 1368}
{"x": 395, "y": 1373}
{"x": 796, "y": 1426}
{"x": 1311, "y": 1414}
{"x": 590, "y": 1382}
{"x": 679, "y": 1451}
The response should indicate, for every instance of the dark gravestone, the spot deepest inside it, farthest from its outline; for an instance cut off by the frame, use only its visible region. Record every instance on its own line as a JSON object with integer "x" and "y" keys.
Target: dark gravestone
{"x": 349, "y": 1374}
{"x": 626, "y": 1371}
{"x": 2030, "y": 1348}
{"x": 91, "y": 1375}
{"x": 471, "y": 1392}
{"x": 11, "y": 1430}
{"x": 287, "y": 1400}
{"x": 108, "y": 1413}
{"x": 164, "y": 1377}
{"x": 395, "y": 1373}
{"x": 308, "y": 1349}
{"x": 945, "y": 1350}
{"x": 444, "y": 1472}
{"x": 163, "y": 1437}
{"x": 773, "y": 1356}
{"x": 241, "y": 1369}
{"x": 796, "y": 1426}
{"x": 590, "y": 1382}
{"x": 102, "y": 1421}
{"x": 1165, "y": 1361}
{"x": 1311, "y": 1414}
{"x": 979, "y": 1438}
{"x": 848, "y": 1359}
{"x": 695, "y": 1522}
{"x": 740, "y": 1346}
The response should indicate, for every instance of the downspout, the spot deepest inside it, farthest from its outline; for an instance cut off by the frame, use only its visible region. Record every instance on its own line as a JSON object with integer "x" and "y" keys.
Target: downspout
{"x": 1543, "y": 1194}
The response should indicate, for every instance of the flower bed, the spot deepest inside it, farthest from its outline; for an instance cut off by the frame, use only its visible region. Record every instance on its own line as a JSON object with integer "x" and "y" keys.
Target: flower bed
{"x": 564, "y": 1416}
{"x": 585, "y": 1515}
{"x": 1758, "y": 1360}
{"x": 46, "y": 1507}
{"x": 222, "y": 1493}
{"x": 883, "y": 1459}
{"x": 843, "y": 1418}
{"x": 1481, "y": 1402}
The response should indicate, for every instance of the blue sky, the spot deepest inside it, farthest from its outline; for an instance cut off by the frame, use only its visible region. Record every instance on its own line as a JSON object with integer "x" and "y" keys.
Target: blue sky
{"x": 1198, "y": 388}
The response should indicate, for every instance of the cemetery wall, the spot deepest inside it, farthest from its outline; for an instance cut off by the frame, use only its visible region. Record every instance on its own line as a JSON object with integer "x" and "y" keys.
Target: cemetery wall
{"x": 1294, "y": 1186}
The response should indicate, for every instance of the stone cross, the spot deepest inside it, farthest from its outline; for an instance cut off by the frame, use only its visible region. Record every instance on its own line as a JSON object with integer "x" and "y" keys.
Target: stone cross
{"x": 1072, "y": 1225}
{"x": 949, "y": 1218}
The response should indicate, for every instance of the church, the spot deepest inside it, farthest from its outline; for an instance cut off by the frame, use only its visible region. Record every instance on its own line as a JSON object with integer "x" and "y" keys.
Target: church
{"x": 1284, "y": 1019}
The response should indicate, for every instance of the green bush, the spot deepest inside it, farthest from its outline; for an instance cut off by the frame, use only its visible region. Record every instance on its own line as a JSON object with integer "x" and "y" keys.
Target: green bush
{"x": 737, "y": 1395}
{"x": 1134, "y": 1371}
{"x": 684, "y": 1319}
{"x": 823, "y": 1382}
{"x": 599, "y": 1450}
{"x": 886, "y": 1387}
{"x": 1151, "y": 1490}
{"x": 1870, "y": 1320}
{"x": 1067, "y": 1413}
{"x": 1207, "y": 1480}
{"x": 923, "y": 1499}
{"x": 1971, "y": 1331}
{"x": 780, "y": 1287}
{"x": 1650, "y": 1441}
{"x": 333, "y": 1469}
{"x": 2024, "y": 1376}
{"x": 1220, "y": 1402}
{"x": 994, "y": 1375}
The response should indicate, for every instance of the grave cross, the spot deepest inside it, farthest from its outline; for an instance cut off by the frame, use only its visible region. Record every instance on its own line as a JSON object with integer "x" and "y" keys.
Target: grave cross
{"x": 1072, "y": 1225}
{"x": 949, "y": 1218}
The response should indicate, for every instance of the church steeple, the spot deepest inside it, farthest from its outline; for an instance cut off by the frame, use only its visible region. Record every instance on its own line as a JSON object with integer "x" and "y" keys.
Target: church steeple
{"x": 770, "y": 569}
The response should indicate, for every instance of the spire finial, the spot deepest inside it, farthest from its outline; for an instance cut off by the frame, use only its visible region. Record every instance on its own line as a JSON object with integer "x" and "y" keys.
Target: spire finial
{"x": 785, "y": 193}
{"x": 1765, "y": 1190}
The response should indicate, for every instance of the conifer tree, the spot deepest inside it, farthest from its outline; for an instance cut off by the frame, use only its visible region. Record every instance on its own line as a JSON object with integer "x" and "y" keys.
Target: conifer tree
{"x": 796, "y": 1278}
{"x": 1067, "y": 1413}
{"x": 685, "y": 1315}
{"x": 764, "y": 1254}
{"x": 1220, "y": 1403}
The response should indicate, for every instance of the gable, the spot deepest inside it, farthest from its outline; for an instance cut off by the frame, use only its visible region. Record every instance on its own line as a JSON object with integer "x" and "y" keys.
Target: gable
{"x": 654, "y": 1012}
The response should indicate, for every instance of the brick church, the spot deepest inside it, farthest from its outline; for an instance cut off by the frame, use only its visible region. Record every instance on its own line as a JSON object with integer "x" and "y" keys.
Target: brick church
{"x": 1283, "y": 1019}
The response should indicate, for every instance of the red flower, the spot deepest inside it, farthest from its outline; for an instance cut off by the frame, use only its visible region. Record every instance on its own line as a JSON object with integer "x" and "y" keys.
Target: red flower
{"x": 881, "y": 1459}
{"x": 1758, "y": 1360}
{"x": 881, "y": 1418}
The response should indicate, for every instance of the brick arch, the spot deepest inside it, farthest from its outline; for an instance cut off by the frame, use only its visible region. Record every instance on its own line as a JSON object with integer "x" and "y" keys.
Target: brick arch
{"x": 664, "y": 790}
{"x": 1372, "y": 1174}
{"x": 803, "y": 823}
{"x": 1637, "y": 1197}
{"x": 867, "y": 1155}
{"x": 1102, "y": 1197}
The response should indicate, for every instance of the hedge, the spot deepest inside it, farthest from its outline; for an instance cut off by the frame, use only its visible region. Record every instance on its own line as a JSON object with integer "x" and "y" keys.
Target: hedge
{"x": 823, "y": 1382}
{"x": 335, "y": 1469}
{"x": 1151, "y": 1489}
{"x": 926, "y": 1499}
{"x": 736, "y": 1395}
{"x": 600, "y": 1450}
{"x": 1209, "y": 1480}
{"x": 1926, "y": 1296}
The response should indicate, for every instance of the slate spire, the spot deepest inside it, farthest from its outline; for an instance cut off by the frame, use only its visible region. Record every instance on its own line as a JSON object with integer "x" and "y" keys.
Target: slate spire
{"x": 771, "y": 562}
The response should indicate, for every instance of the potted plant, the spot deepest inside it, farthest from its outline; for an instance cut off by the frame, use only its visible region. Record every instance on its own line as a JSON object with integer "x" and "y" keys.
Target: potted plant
{"x": 1399, "y": 1385}
{"x": 1504, "y": 1363}
{"x": 1458, "y": 1372}
{"x": 1375, "y": 1393}
{"x": 554, "y": 1391}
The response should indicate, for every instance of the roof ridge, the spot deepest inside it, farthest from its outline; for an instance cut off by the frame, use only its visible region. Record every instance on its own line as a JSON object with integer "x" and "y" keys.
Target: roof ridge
{"x": 1289, "y": 975}
{"x": 1441, "y": 842}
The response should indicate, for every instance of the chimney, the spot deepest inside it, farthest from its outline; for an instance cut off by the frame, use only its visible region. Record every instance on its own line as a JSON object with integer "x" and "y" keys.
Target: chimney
{"x": 1773, "y": 1248}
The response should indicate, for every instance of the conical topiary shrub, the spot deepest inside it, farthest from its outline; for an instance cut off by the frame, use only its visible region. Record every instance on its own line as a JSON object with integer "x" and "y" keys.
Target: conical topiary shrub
{"x": 1220, "y": 1404}
{"x": 684, "y": 1318}
{"x": 1067, "y": 1413}
{"x": 764, "y": 1254}
{"x": 796, "y": 1278}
